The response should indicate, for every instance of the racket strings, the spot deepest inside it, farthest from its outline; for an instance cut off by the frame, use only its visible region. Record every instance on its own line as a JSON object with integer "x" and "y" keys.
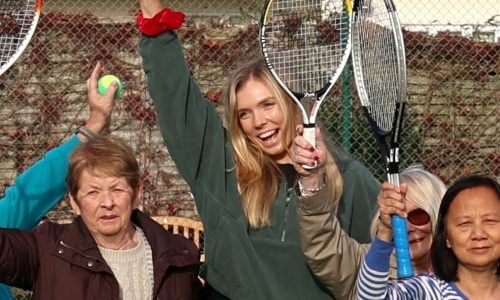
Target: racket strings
{"x": 16, "y": 19}
{"x": 305, "y": 41}
{"x": 379, "y": 63}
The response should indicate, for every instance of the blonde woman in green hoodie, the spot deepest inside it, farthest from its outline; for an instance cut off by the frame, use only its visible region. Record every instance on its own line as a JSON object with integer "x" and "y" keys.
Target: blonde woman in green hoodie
{"x": 242, "y": 175}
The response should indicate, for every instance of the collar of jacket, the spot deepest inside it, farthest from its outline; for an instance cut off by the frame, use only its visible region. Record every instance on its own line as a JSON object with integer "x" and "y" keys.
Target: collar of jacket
{"x": 77, "y": 246}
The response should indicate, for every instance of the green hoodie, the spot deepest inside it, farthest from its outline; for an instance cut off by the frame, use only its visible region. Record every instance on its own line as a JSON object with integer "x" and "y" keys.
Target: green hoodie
{"x": 241, "y": 263}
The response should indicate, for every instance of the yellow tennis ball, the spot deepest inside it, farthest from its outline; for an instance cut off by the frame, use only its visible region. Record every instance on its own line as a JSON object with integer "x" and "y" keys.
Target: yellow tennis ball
{"x": 105, "y": 81}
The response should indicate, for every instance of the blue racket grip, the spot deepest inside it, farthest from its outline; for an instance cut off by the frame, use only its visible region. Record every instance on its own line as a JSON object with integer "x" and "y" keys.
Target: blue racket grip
{"x": 405, "y": 268}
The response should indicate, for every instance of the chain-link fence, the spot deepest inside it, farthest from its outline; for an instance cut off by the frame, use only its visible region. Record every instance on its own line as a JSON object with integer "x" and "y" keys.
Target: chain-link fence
{"x": 453, "y": 57}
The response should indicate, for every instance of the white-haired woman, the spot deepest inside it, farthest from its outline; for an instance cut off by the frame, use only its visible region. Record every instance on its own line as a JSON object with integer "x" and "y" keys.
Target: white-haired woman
{"x": 335, "y": 258}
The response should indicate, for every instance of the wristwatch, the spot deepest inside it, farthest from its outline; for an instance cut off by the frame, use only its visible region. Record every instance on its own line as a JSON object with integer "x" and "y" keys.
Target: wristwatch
{"x": 86, "y": 132}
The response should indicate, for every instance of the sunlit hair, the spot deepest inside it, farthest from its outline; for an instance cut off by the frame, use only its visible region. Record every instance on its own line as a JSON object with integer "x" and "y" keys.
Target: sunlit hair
{"x": 444, "y": 261}
{"x": 103, "y": 156}
{"x": 258, "y": 175}
{"x": 425, "y": 190}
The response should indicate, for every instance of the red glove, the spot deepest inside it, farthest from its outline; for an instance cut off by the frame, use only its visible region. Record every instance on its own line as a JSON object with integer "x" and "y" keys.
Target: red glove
{"x": 163, "y": 21}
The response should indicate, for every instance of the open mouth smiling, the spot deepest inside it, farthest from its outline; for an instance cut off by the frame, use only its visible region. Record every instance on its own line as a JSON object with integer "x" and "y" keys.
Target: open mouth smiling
{"x": 266, "y": 135}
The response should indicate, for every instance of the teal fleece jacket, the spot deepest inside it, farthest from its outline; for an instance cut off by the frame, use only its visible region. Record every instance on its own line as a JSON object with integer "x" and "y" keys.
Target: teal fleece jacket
{"x": 241, "y": 263}
{"x": 35, "y": 192}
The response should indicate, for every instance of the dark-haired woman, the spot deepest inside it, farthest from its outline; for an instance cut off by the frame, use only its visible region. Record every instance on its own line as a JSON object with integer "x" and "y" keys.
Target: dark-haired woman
{"x": 465, "y": 251}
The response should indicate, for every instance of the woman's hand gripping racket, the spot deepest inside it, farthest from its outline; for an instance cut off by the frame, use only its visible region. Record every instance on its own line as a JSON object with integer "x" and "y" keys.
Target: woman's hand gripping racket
{"x": 18, "y": 20}
{"x": 378, "y": 59}
{"x": 306, "y": 45}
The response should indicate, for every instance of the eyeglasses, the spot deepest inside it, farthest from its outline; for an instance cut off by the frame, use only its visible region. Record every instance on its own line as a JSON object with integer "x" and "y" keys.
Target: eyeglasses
{"x": 418, "y": 217}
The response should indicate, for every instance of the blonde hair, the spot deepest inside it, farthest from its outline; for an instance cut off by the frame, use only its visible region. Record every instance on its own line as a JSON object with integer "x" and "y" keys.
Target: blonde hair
{"x": 258, "y": 175}
{"x": 425, "y": 190}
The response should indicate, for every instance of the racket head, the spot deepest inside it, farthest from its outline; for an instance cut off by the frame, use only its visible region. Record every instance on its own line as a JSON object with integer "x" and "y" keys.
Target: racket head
{"x": 18, "y": 21}
{"x": 306, "y": 45}
{"x": 379, "y": 65}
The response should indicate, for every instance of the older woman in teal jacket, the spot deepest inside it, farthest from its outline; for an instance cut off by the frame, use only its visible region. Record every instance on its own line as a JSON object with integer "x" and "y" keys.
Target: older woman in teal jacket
{"x": 37, "y": 190}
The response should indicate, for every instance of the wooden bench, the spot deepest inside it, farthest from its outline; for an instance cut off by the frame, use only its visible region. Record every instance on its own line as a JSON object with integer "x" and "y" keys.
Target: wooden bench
{"x": 189, "y": 228}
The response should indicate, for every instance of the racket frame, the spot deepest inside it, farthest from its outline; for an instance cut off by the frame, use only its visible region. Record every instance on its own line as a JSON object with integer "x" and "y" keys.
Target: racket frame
{"x": 309, "y": 121}
{"x": 27, "y": 38}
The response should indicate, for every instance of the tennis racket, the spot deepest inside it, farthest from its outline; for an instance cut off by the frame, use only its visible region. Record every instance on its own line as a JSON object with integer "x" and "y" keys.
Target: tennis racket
{"x": 18, "y": 20}
{"x": 378, "y": 60}
{"x": 306, "y": 45}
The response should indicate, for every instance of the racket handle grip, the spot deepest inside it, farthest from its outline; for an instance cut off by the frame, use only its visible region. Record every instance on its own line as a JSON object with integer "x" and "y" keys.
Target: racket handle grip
{"x": 310, "y": 135}
{"x": 402, "y": 246}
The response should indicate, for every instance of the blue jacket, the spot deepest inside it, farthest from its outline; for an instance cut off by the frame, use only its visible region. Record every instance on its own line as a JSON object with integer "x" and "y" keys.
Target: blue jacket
{"x": 35, "y": 192}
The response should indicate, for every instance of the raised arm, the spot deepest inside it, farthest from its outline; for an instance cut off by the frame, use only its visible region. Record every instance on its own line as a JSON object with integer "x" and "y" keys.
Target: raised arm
{"x": 149, "y": 8}
{"x": 333, "y": 256}
{"x": 38, "y": 189}
{"x": 373, "y": 280}
{"x": 190, "y": 126}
